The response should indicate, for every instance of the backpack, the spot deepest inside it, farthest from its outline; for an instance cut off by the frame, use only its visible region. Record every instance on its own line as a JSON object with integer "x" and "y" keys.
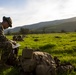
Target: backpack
{"x": 45, "y": 64}
{"x": 39, "y": 63}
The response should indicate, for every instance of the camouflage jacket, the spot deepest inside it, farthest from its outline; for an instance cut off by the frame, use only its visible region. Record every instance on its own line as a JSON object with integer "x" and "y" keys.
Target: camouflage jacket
{"x": 1, "y": 29}
{"x": 2, "y": 36}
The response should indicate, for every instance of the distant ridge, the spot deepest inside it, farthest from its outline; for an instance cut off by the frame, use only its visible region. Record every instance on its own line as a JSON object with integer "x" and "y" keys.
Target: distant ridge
{"x": 56, "y": 25}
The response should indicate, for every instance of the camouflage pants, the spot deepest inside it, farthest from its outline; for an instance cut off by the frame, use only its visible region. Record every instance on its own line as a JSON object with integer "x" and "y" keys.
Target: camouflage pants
{"x": 6, "y": 48}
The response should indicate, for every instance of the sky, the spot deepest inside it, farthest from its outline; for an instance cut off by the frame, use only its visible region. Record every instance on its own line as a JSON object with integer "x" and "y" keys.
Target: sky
{"x": 26, "y": 12}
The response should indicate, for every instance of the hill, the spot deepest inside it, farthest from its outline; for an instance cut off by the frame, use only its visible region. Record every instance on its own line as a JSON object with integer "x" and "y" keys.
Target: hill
{"x": 56, "y": 25}
{"x": 68, "y": 26}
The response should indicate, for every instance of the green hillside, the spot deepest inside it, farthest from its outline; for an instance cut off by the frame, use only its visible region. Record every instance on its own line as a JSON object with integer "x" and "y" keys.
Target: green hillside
{"x": 50, "y": 26}
{"x": 68, "y": 27}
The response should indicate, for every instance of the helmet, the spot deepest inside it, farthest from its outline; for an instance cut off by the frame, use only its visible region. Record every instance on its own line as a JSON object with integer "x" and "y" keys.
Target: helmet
{"x": 8, "y": 19}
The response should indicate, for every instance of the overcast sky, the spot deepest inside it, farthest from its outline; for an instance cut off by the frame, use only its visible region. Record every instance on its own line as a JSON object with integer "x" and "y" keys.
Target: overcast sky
{"x": 25, "y": 12}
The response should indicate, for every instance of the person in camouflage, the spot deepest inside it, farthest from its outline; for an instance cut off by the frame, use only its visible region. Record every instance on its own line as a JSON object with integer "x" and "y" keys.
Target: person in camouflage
{"x": 5, "y": 44}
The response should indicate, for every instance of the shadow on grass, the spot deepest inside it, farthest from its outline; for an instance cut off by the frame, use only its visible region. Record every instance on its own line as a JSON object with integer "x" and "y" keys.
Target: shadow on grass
{"x": 3, "y": 68}
{"x": 8, "y": 70}
{"x": 47, "y": 46}
{"x": 62, "y": 51}
{"x": 14, "y": 71}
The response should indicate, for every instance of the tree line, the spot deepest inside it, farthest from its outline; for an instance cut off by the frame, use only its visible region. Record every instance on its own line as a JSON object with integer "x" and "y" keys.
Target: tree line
{"x": 27, "y": 31}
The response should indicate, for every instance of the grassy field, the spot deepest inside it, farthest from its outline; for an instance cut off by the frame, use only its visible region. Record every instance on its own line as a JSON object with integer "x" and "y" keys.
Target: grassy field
{"x": 62, "y": 45}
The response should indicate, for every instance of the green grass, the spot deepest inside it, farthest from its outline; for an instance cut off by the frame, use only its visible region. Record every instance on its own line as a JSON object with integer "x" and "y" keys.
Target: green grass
{"x": 62, "y": 45}
{"x": 9, "y": 71}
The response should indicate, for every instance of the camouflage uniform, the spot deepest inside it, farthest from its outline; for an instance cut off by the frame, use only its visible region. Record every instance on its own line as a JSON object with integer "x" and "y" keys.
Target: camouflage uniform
{"x": 5, "y": 45}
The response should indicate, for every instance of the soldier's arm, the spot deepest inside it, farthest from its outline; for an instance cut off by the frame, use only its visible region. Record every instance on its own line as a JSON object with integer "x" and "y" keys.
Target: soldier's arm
{"x": 1, "y": 30}
{"x": 2, "y": 36}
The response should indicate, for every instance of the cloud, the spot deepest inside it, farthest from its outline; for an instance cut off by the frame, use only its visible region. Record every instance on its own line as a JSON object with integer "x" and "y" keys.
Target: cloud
{"x": 69, "y": 9}
{"x": 33, "y": 11}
